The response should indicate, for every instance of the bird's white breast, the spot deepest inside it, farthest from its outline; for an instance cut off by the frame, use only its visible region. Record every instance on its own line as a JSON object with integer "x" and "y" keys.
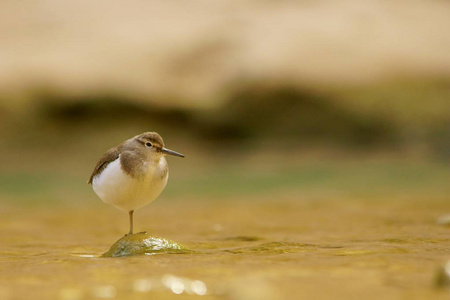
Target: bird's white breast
{"x": 117, "y": 188}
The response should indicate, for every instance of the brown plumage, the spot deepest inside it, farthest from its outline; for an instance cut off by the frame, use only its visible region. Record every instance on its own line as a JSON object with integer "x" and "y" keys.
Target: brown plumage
{"x": 110, "y": 156}
{"x": 128, "y": 148}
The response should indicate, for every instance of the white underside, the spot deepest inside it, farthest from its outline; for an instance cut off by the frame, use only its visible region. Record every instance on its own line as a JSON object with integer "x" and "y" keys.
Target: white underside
{"x": 117, "y": 188}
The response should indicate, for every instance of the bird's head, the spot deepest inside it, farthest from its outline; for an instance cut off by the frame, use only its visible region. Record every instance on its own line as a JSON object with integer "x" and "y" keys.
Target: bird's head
{"x": 153, "y": 143}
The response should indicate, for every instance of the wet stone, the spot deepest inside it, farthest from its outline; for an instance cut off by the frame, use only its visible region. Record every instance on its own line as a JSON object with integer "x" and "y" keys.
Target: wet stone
{"x": 442, "y": 279}
{"x": 443, "y": 220}
{"x": 142, "y": 244}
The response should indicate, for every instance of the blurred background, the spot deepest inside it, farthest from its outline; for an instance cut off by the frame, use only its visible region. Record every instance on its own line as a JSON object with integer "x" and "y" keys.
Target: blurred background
{"x": 262, "y": 96}
{"x": 316, "y": 135}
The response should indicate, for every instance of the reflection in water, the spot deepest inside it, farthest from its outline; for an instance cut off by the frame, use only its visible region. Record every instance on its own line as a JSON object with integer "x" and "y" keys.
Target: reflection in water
{"x": 176, "y": 285}
{"x": 198, "y": 287}
{"x": 142, "y": 285}
{"x": 105, "y": 292}
{"x": 84, "y": 255}
{"x": 166, "y": 283}
{"x": 179, "y": 285}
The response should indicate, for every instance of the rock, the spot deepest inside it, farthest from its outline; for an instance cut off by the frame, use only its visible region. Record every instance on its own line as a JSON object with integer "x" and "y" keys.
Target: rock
{"x": 142, "y": 244}
{"x": 442, "y": 279}
{"x": 443, "y": 220}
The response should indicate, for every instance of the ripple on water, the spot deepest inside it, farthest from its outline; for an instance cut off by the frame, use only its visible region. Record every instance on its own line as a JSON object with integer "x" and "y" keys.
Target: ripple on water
{"x": 243, "y": 238}
{"x": 275, "y": 248}
{"x": 84, "y": 255}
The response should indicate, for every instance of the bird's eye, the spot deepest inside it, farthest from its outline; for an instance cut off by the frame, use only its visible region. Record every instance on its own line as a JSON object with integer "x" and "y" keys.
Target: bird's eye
{"x": 148, "y": 144}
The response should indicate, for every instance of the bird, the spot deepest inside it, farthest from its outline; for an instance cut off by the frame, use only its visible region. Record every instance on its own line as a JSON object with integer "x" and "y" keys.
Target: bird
{"x": 132, "y": 174}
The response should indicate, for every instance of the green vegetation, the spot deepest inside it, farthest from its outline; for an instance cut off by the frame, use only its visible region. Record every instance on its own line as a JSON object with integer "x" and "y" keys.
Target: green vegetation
{"x": 334, "y": 179}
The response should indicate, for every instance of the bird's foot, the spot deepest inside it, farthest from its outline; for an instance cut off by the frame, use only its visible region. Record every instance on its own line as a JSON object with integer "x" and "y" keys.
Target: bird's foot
{"x": 130, "y": 233}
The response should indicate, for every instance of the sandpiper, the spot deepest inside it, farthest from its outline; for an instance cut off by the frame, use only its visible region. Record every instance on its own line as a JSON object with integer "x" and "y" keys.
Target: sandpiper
{"x": 133, "y": 174}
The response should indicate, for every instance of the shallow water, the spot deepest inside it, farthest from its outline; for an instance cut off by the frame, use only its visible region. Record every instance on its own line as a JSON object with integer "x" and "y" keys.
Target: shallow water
{"x": 254, "y": 249}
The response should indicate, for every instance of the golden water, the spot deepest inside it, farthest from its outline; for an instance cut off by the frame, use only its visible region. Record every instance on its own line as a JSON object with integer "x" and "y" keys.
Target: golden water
{"x": 257, "y": 249}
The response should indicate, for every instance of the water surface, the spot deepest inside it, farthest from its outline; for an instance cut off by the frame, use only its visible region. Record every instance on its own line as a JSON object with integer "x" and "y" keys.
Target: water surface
{"x": 253, "y": 249}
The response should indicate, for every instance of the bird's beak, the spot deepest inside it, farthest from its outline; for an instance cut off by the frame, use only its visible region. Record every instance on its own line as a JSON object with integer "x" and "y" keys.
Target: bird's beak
{"x": 171, "y": 152}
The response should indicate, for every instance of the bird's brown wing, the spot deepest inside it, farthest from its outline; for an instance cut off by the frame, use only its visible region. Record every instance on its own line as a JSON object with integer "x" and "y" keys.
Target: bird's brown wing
{"x": 110, "y": 156}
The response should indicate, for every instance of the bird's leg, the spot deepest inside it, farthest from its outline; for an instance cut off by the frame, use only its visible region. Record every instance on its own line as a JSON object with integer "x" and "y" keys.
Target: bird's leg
{"x": 131, "y": 222}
